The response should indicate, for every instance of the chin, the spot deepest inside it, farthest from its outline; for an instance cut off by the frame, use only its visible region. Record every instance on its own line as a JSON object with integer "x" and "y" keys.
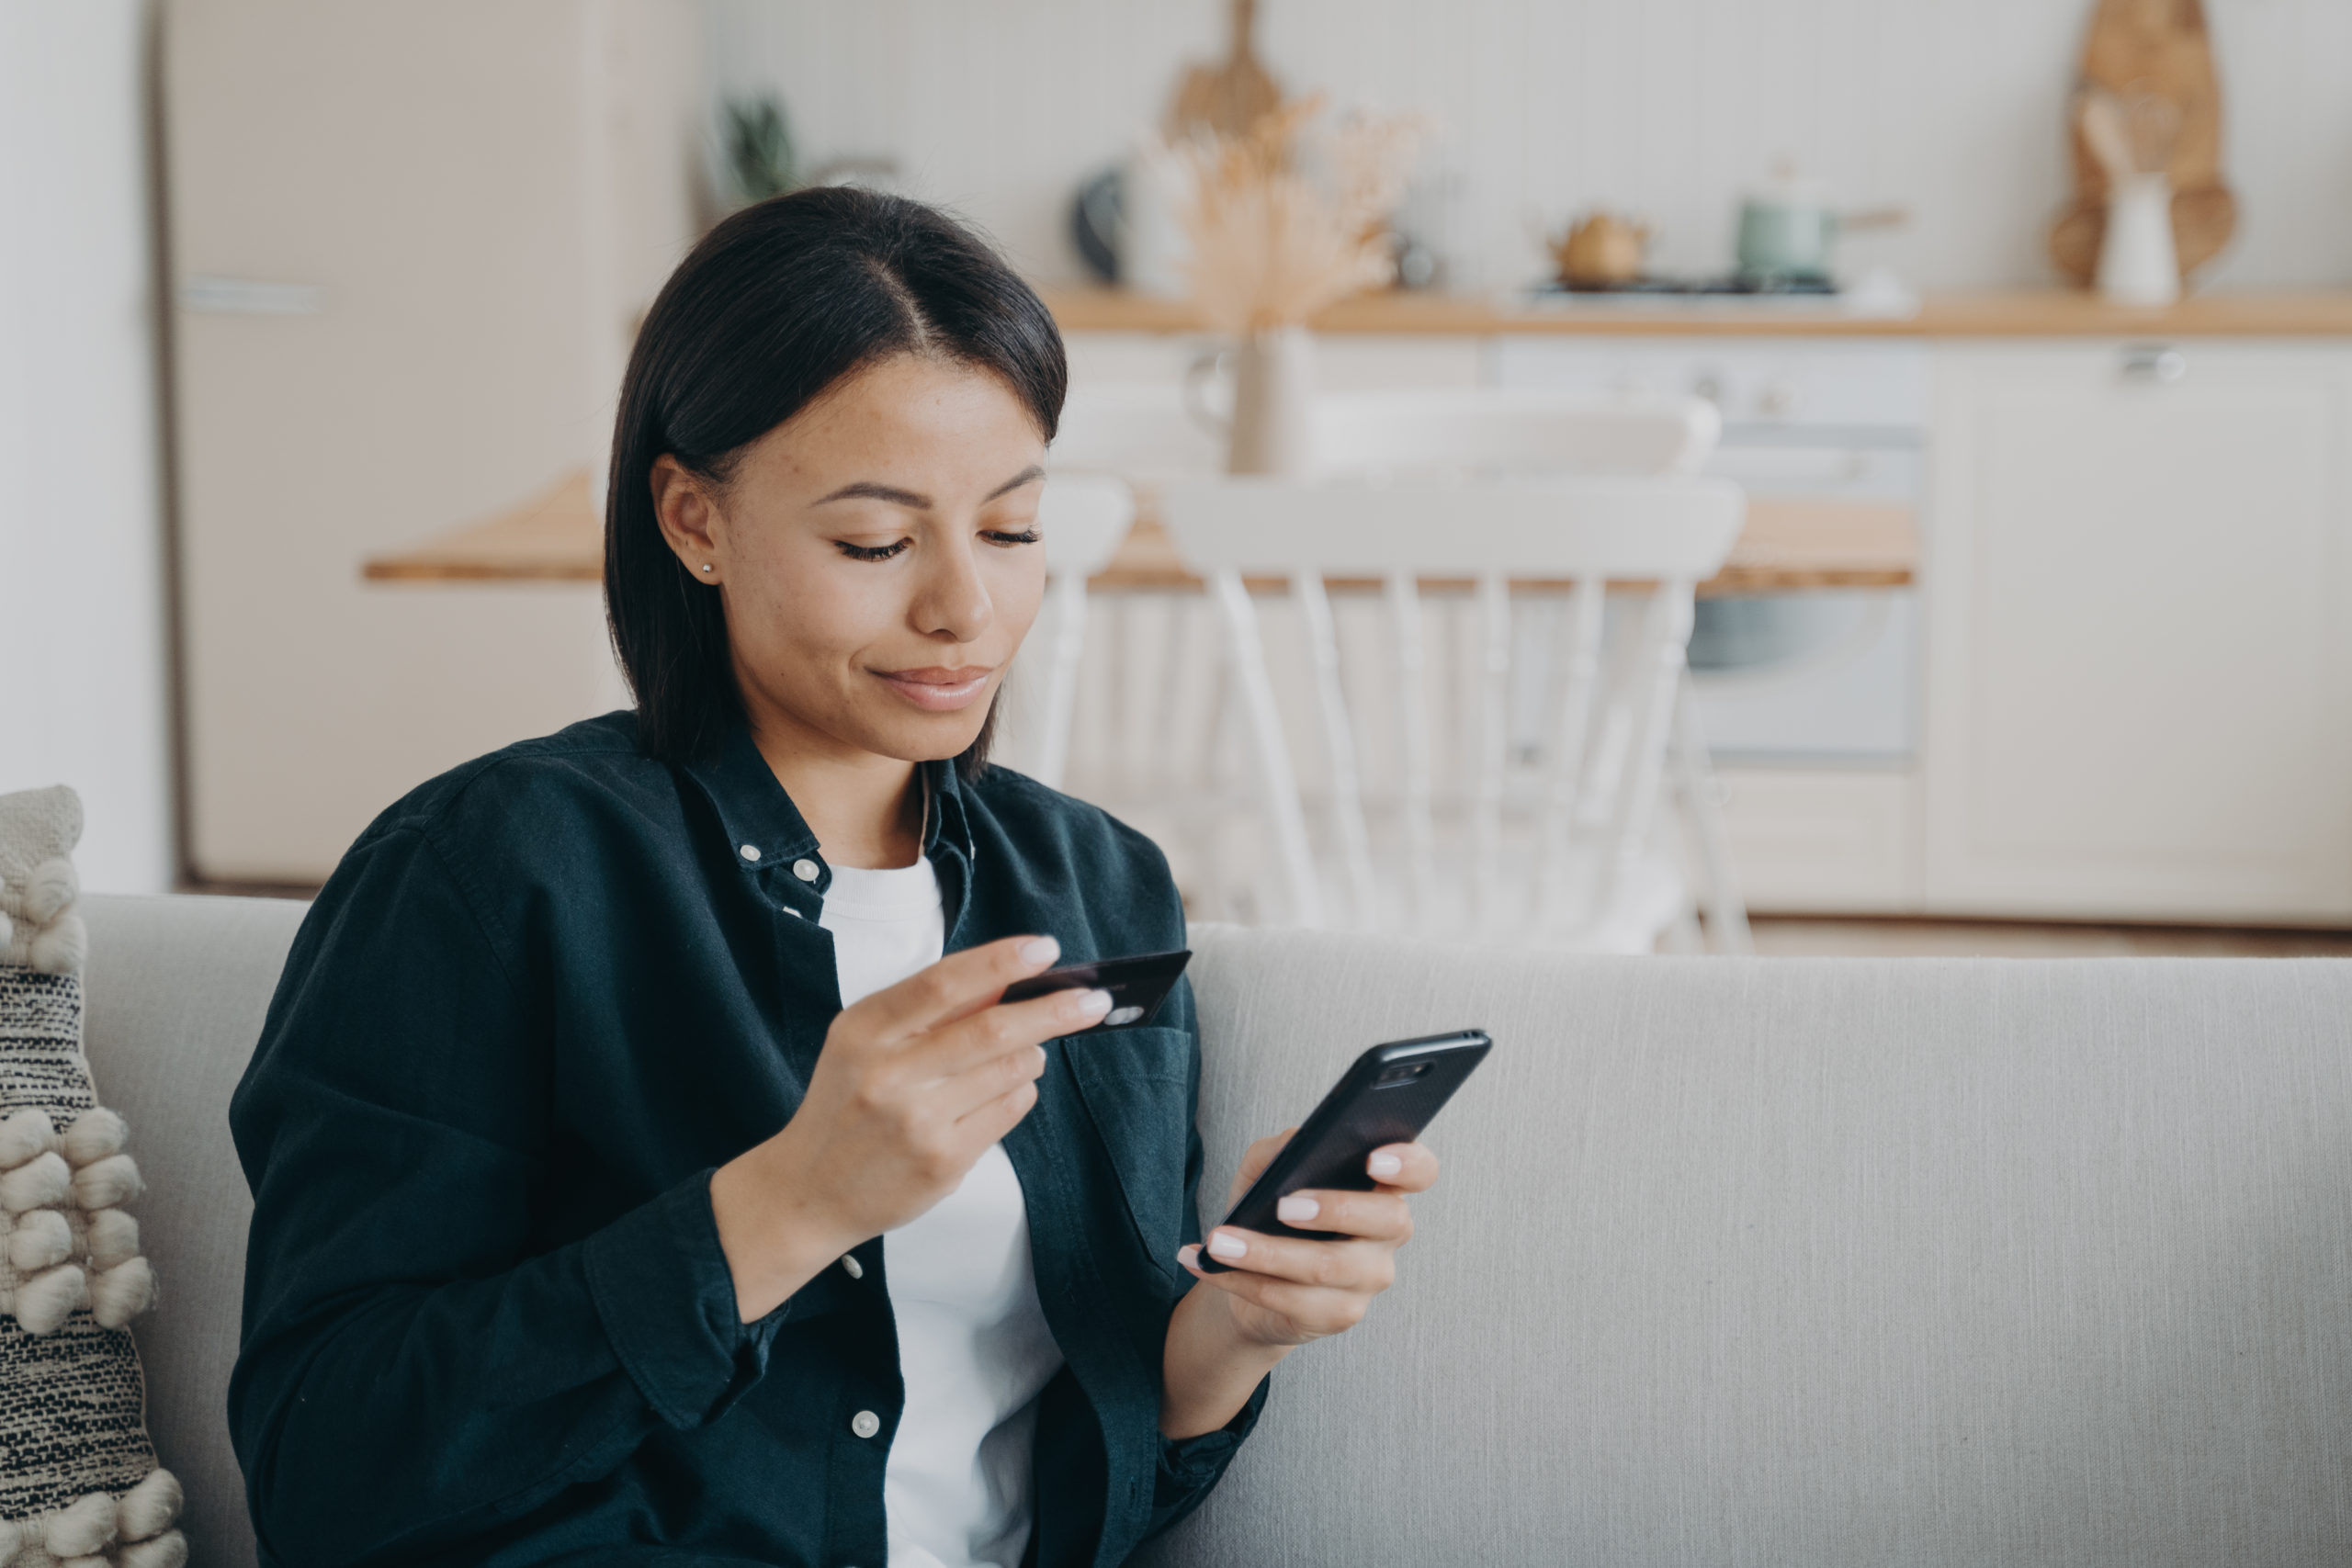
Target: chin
{"x": 933, "y": 740}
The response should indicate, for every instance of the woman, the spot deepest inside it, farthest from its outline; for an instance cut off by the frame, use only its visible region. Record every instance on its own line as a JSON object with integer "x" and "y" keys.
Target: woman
{"x": 644, "y": 1167}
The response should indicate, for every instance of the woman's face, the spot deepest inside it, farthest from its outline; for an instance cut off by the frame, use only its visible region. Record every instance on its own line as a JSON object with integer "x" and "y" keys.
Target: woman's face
{"x": 878, "y": 557}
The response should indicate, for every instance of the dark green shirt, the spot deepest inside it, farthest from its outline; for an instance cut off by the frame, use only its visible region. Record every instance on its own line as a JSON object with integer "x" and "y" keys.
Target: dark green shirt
{"x": 487, "y": 1318}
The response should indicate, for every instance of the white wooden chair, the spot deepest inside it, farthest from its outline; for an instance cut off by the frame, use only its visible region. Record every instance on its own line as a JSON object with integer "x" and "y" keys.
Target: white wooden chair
{"x": 1145, "y": 676}
{"x": 1084, "y": 517}
{"x": 1527, "y": 430}
{"x": 1593, "y": 880}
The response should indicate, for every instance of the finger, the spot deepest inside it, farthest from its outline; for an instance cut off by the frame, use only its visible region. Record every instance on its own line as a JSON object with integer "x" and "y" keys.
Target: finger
{"x": 1254, "y": 1161}
{"x": 988, "y": 1122}
{"x": 1366, "y": 1266}
{"x": 956, "y": 987}
{"x": 1407, "y": 1168}
{"x": 1314, "y": 1311}
{"x": 1374, "y": 1216}
{"x": 964, "y": 1094}
{"x": 1008, "y": 1028}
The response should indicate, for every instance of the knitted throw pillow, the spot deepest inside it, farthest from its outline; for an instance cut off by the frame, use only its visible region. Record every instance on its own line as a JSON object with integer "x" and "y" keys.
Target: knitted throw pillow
{"x": 78, "y": 1480}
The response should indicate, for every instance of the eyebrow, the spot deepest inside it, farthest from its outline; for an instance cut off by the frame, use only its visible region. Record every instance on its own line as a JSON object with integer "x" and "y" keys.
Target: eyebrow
{"x": 869, "y": 490}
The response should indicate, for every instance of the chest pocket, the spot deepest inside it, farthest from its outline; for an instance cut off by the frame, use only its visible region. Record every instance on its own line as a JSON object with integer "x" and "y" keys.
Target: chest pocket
{"x": 1137, "y": 1085}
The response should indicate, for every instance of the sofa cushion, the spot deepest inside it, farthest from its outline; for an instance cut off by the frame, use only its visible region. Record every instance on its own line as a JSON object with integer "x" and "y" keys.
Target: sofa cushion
{"x": 177, "y": 988}
{"x": 1828, "y": 1262}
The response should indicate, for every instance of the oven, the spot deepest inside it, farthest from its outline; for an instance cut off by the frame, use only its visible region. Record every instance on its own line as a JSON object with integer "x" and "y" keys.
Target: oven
{"x": 1813, "y": 679}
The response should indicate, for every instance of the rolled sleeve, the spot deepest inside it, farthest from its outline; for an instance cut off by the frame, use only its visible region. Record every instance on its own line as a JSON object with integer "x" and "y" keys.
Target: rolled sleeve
{"x": 666, "y": 1297}
{"x": 1189, "y": 1467}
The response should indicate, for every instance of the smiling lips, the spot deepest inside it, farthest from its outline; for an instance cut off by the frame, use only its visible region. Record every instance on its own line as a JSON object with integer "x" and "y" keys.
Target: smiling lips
{"x": 935, "y": 690}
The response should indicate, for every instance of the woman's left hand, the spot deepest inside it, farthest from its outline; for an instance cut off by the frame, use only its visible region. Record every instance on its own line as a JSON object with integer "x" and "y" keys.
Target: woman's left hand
{"x": 1284, "y": 1290}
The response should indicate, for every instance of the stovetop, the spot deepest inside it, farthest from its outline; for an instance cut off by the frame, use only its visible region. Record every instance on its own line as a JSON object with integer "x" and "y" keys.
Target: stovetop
{"x": 1735, "y": 284}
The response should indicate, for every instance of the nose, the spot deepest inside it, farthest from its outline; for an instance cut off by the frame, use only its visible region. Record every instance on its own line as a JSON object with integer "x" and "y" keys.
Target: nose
{"x": 952, "y": 603}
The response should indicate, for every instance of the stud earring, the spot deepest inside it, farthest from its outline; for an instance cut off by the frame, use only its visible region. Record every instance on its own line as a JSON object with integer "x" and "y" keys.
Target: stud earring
{"x": 705, "y": 566}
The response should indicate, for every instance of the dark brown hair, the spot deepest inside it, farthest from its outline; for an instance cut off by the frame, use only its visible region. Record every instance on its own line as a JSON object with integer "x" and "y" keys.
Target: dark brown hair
{"x": 775, "y": 305}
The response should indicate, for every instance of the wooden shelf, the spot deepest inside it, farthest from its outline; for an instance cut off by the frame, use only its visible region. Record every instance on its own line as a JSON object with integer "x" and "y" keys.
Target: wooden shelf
{"x": 2049, "y": 313}
{"x": 1787, "y": 547}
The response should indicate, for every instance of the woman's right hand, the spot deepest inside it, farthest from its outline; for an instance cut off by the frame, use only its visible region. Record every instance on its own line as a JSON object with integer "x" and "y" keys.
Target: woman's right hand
{"x": 913, "y": 1085}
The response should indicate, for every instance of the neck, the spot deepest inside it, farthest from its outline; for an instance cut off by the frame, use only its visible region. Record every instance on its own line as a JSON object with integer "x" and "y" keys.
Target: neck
{"x": 866, "y": 810}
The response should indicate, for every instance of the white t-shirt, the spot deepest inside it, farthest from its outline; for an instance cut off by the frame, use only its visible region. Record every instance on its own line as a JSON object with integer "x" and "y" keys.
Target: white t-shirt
{"x": 973, "y": 1346}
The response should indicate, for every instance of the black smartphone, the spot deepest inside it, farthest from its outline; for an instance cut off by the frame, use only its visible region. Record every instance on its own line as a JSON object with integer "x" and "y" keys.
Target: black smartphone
{"x": 1387, "y": 1096}
{"x": 1137, "y": 987}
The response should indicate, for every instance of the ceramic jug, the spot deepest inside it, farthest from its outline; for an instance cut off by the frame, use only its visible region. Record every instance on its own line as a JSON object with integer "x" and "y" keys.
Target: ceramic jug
{"x": 2137, "y": 265}
{"x": 1270, "y": 427}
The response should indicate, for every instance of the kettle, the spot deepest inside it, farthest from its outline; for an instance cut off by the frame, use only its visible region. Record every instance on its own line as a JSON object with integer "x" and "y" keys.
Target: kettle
{"x": 1598, "y": 250}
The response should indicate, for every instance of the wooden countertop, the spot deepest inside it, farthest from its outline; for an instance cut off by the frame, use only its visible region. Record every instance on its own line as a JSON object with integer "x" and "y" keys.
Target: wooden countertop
{"x": 1787, "y": 545}
{"x": 2051, "y": 313}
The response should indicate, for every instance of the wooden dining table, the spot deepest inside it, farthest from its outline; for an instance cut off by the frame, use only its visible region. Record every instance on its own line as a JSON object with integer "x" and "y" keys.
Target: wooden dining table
{"x": 1787, "y": 545}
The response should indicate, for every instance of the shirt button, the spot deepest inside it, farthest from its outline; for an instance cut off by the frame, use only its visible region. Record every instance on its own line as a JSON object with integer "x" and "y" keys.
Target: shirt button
{"x": 750, "y": 852}
{"x": 853, "y": 1267}
{"x": 866, "y": 1423}
{"x": 806, "y": 870}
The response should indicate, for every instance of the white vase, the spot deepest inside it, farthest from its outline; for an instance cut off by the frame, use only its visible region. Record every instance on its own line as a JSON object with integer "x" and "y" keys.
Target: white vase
{"x": 2137, "y": 265}
{"x": 1274, "y": 405}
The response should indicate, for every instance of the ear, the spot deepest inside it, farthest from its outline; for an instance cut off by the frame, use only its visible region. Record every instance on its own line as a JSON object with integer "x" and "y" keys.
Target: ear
{"x": 690, "y": 519}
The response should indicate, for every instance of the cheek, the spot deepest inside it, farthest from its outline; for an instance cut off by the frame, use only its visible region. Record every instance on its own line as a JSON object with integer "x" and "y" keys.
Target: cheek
{"x": 1017, "y": 590}
{"x": 792, "y": 613}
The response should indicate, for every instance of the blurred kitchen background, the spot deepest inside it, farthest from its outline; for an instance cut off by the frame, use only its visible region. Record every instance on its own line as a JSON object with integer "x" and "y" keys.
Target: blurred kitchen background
{"x": 311, "y": 315}
{"x": 1543, "y": 108}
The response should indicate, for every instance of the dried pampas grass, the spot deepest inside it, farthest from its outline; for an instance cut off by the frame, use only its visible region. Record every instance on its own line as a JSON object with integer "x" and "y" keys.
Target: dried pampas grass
{"x": 1271, "y": 247}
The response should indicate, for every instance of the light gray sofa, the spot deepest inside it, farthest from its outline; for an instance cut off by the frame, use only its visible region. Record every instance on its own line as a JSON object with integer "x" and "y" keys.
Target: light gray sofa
{"x": 1781, "y": 1262}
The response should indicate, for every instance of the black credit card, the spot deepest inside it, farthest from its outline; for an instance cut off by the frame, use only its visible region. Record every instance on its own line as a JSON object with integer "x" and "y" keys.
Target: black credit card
{"x": 1137, "y": 987}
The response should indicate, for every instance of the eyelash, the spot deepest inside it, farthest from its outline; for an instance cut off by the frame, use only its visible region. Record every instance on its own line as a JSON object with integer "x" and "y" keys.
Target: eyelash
{"x": 883, "y": 552}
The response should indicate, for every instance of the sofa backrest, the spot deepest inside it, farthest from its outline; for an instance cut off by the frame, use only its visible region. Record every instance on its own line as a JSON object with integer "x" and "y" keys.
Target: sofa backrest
{"x": 1829, "y": 1262}
{"x": 1826, "y": 1261}
{"x": 176, "y": 991}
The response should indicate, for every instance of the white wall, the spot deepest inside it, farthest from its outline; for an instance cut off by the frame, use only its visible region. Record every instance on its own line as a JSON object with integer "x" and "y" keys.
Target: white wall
{"x": 82, "y": 626}
{"x": 1664, "y": 108}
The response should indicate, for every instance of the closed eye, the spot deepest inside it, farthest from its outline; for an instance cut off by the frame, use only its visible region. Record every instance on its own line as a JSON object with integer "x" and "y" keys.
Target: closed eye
{"x": 998, "y": 537}
{"x": 870, "y": 552}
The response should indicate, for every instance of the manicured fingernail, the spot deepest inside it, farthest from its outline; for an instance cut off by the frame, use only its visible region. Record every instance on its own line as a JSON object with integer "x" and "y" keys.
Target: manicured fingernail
{"x": 1085, "y": 1004}
{"x": 1189, "y": 1257}
{"x": 1227, "y": 1246}
{"x": 1297, "y": 1208}
{"x": 1040, "y": 950}
{"x": 1384, "y": 1164}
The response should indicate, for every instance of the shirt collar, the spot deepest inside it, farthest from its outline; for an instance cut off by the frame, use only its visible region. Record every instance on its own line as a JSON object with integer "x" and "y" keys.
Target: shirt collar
{"x": 764, "y": 828}
{"x": 951, "y": 827}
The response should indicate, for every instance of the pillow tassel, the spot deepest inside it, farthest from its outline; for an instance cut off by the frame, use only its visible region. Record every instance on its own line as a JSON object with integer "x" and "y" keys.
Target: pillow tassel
{"x": 24, "y": 1135}
{"x": 166, "y": 1550}
{"x": 103, "y": 1184}
{"x": 81, "y": 1530}
{"x": 43, "y": 1238}
{"x": 148, "y": 1509}
{"x": 44, "y": 1301}
{"x": 123, "y": 1292}
{"x": 41, "y": 1182}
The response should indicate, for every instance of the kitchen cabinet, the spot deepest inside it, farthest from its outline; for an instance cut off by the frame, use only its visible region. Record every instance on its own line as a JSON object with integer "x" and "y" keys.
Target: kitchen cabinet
{"x": 1824, "y": 840}
{"x": 2138, "y": 697}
